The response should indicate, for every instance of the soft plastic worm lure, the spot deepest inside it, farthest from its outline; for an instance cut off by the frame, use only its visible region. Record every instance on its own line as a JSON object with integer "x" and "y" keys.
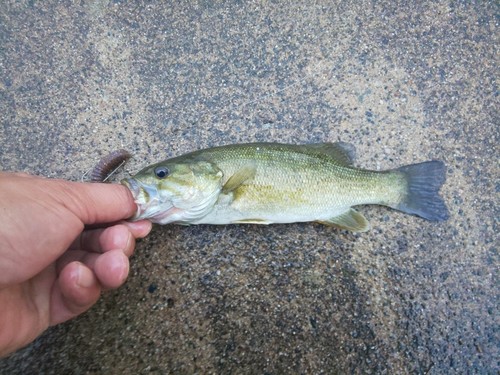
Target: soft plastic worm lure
{"x": 108, "y": 165}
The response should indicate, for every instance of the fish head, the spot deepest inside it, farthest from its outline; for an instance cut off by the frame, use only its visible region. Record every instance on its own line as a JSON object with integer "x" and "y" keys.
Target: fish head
{"x": 175, "y": 191}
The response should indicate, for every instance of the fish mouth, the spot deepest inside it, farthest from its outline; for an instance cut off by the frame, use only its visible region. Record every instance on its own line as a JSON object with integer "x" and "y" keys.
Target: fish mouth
{"x": 132, "y": 185}
{"x": 147, "y": 199}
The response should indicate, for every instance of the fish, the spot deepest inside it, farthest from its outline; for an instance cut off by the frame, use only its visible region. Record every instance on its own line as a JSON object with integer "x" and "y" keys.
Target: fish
{"x": 273, "y": 183}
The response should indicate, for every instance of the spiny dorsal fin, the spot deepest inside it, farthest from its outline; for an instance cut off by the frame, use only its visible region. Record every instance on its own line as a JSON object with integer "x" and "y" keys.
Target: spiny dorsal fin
{"x": 236, "y": 180}
{"x": 351, "y": 220}
{"x": 342, "y": 152}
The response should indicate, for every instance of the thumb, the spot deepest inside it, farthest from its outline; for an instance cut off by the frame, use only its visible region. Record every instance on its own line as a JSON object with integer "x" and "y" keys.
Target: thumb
{"x": 95, "y": 203}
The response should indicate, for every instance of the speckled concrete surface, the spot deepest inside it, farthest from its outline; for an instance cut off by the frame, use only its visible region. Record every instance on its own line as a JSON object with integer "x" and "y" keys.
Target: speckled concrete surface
{"x": 404, "y": 82}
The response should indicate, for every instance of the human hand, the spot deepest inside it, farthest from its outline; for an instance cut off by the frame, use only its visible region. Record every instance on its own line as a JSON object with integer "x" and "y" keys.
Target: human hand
{"x": 53, "y": 267}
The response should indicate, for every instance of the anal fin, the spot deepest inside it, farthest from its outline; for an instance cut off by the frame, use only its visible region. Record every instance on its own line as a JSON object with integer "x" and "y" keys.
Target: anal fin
{"x": 350, "y": 220}
{"x": 253, "y": 221}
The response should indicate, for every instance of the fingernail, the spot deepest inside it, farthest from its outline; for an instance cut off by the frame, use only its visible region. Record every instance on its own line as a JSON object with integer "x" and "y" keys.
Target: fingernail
{"x": 140, "y": 228}
{"x": 119, "y": 266}
{"x": 85, "y": 277}
{"x": 130, "y": 238}
{"x": 124, "y": 268}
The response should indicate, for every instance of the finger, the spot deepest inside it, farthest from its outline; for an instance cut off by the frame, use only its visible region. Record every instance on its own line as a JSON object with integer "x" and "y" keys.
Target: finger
{"x": 102, "y": 240}
{"x": 94, "y": 202}
{"x": 74, "y": 292}
{"x": 85, "y": 257}
{"x": 139, "y": 229}
{"x": 94, "y": 262}
{"x": 111, "y": 269}
{"x": 20, "y": 174}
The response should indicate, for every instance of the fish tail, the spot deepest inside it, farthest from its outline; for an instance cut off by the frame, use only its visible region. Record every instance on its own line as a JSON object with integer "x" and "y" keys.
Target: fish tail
{"x": 422, "y": 195}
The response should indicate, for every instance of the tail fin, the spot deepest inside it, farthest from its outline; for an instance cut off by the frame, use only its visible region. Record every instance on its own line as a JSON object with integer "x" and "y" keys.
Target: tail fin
{"x": 422, "y": 198}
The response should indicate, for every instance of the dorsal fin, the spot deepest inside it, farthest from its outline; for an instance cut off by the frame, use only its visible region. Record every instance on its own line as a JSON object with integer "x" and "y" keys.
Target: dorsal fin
{"x": 341, "y": 152}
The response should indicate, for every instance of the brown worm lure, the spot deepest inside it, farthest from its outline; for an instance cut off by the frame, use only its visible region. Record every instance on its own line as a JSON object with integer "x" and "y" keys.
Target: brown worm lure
{"x": 108, "y": 164}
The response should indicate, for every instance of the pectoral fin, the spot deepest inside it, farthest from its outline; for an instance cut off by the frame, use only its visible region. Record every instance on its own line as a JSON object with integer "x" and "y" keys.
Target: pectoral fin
{"x": 351, "y": 220}
{"x": 236, "y": 180}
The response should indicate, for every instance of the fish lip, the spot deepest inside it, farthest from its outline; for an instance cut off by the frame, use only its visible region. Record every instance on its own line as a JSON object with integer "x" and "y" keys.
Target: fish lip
{"x": 132, "y": 185}
{"x": 144, "y": 196}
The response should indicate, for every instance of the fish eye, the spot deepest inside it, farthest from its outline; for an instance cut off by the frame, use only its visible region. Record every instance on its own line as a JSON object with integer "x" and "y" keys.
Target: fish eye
{"x": 162, "y": 172}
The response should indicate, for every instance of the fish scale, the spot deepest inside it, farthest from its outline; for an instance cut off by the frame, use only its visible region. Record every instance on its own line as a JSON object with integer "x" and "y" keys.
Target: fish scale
{"x": 290, "y": 181}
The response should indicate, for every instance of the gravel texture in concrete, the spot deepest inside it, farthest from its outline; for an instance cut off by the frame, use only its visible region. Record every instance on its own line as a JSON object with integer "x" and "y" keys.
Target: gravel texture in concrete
{"x": 403, "y": 81}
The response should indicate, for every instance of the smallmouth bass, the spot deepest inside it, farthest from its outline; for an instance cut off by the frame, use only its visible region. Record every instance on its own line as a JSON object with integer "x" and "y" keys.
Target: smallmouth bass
{"x": 266, "y": 183}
